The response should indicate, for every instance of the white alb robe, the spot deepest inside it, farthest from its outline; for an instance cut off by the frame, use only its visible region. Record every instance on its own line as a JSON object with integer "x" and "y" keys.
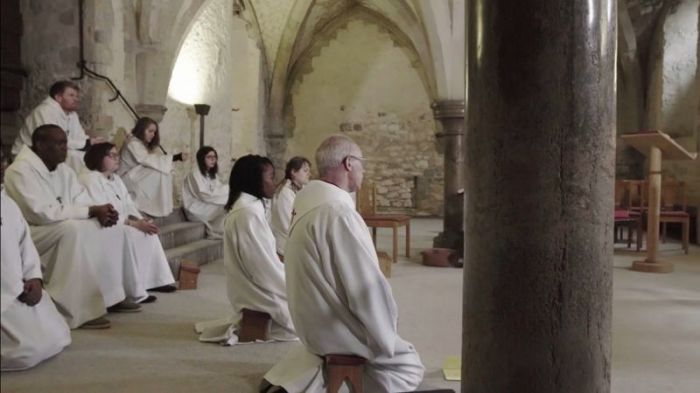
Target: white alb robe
{"x": 50, "y": 112}
{"x": 254, "y": 275}
{"x": 281, "y": 214}
{"x": 339, "y": 300}
{"x": 29, "y": 334}
{"x": 153, "y": 268}
{"x": 86, "y": 267}
{"x": 148, "y": 177}
{"x": 203, "y": 199}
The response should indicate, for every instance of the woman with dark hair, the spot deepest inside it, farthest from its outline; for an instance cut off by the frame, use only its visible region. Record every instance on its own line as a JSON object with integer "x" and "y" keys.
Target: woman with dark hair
{"x": 296, "y": 176}
{"x": 254, "y": 274}
{"x": 203, "y": 195}
{"x": 146, "y": 169}
{"x": 105, "y": 186}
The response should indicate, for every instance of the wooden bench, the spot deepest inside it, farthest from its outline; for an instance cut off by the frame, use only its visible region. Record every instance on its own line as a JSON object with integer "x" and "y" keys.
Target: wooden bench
{"x": 255, "y": 326}
{"x": 344, "y": 368}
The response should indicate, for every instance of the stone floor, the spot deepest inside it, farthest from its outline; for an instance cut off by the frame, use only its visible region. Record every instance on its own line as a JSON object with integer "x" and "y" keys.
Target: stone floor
{"x": 656, "y": 333}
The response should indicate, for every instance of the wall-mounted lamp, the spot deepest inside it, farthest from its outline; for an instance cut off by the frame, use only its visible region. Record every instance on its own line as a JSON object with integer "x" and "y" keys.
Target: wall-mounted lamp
{"x": 202, "y": 110}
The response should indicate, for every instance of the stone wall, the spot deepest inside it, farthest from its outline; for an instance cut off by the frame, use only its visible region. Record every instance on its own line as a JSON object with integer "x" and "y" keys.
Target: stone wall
{"x": 363, "y": 84}
{"x": 218, "y": 65}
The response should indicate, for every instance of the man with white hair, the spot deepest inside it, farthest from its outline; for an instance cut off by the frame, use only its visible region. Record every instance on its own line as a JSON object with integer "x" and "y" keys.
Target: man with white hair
{"x": 339, "y": 300}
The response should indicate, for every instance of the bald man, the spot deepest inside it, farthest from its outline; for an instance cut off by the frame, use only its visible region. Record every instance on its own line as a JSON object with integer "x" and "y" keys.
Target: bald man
{"x": 87, "y": 266}
{"x": 339, "y": 300}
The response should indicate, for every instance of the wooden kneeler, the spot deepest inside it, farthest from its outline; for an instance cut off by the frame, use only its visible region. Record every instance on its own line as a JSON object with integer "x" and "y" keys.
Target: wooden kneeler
{"x": 341, "y": 368}
{"x": 254, "y": 326}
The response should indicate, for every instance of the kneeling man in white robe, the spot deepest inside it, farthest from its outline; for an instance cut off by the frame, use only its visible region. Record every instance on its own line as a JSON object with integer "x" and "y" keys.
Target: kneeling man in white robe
{"x": 32, "y": 329}
{"x": 87, "y": 266}
{"x": 339, "y": 300}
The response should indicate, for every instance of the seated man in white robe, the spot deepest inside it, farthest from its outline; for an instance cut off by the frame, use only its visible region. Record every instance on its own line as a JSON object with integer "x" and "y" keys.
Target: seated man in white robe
{"x": 254, "y": 274}
{"x": 59, "y": 108}
{"x": 339, "y": 300}
{"x": 32, "y": 329}
{"x": 86, "y": 263}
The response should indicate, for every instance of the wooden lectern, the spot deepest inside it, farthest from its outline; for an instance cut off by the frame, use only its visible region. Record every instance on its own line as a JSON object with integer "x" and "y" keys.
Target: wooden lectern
{"x": 655, "y": 145}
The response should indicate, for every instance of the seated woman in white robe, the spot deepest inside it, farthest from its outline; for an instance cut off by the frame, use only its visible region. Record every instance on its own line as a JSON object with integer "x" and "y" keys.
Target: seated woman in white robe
{"x": 296, "y": 176}
{"x": 203, "y": 195}
{"x": 254, "y": 274}
{"x": 105, "y": 186}
{"x": 32, "y": 329}
{"x": 147, "y": 170}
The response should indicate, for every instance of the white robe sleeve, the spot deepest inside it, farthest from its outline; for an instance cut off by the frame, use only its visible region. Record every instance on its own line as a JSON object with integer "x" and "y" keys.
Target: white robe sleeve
{"x": 31, "y": 264}
{"x": 76, "y": 134}
{"x": 160, "y": 162}
{"x": 257, "y": 253}
{"x": 369, "y": 295}
{"x": 43, "y": 209}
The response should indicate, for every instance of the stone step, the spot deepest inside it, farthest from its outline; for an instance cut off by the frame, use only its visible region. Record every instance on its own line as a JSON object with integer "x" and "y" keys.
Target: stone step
{"x": 198, "y": 252}
{"x": 180, "y": 233}
{"x": 178, "y": 215}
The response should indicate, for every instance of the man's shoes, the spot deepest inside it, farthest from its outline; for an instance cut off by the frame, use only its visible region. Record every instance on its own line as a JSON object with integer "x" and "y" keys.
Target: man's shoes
{"x": 164, "y": 288}
{"x": 149, "y": 299}
{"x": 97, "y": 323}
{"x": 124, "y": 306}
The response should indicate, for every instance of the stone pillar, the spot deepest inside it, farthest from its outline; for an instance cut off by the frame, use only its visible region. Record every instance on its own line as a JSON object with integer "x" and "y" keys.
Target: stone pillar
{"x": 450, "y": 113}
{"x": 154, "y": 111}
{"x": 540, "y": 168}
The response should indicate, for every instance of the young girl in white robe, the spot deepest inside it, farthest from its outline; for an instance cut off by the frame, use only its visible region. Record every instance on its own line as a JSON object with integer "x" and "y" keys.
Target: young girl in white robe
{"x": 105, "y": 186}
{"x": 203, "y": 195}
{"x": 147, "y": 170}
{"x": 296, "y": 176}
{"x": 254, "y": 274}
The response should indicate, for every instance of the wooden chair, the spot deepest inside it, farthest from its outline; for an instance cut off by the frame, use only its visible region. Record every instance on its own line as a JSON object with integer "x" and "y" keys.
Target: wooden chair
{"x": 366, "y": 206}
{"x": 254, "y": 326}
{"x": 673, "y": 209}
{"x": 341, "y": 368}
{"x": 623, "y": 217}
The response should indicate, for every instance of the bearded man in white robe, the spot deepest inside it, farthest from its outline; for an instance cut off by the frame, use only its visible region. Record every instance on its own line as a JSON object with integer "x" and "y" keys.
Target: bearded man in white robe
{"x": 32, "y": 329}
{"x": 86, "y": 263}
{"x": 59, "y": 108}
{"x": 339, "y": 300}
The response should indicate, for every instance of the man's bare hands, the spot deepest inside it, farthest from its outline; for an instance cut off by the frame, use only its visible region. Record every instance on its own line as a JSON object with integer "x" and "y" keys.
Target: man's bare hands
{"x": 145, "y": 226}
{"x": 32, "y": 292}
{"x": 107, "y": 215}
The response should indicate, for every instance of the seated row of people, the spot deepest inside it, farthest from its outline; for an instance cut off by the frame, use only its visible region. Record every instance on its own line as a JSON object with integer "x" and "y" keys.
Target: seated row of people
{"x": 97, "y": 255}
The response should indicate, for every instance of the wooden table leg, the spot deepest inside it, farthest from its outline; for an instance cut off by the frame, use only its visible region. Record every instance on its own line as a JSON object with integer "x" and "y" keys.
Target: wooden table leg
{"x": 408, "y": 239}
{"x": 396, "y": 242}
{"x": 374, "y": 236}
{"x": 686, "y": 234}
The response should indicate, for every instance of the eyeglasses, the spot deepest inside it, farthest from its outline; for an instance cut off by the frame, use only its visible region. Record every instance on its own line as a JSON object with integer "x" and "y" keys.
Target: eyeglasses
{"x": 361, "y": 159}
{"x": 114, "y": 156}
{"x": 210, "y": 156}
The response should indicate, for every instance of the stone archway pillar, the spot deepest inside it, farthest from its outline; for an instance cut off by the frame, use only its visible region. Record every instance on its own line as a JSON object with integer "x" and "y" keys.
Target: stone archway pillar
{"x": 154, "y": 111}
{"x": 540, "y": 168}
{"x": 450, "y": 113}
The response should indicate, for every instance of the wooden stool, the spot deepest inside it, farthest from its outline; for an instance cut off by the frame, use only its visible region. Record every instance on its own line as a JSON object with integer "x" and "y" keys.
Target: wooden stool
{"x": 188, "y": 275}
{"x": 341, "y": 368}
{"x": 254, "y": 326}
{"x": 384, "y": 263}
